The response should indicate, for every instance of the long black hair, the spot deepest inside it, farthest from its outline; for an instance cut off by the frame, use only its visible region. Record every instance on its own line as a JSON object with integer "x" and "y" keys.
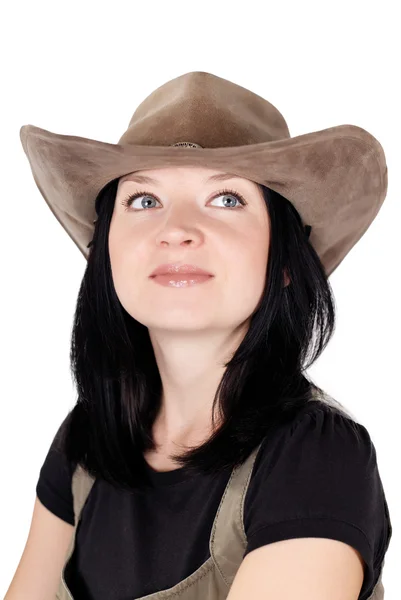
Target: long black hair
{"x": 118, "y": 383}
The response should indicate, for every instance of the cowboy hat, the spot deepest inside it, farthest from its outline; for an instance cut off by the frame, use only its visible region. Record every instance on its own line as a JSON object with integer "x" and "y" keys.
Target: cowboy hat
{"x": 336, "y": 177}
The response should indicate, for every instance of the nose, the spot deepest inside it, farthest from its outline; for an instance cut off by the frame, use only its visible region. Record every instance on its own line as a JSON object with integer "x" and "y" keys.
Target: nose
{"x": 180, "y": 228}
{"x": 178, "y": 236}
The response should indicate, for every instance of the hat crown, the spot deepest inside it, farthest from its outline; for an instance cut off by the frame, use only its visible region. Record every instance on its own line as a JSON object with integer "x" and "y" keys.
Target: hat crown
{"x": 208, "y": 111}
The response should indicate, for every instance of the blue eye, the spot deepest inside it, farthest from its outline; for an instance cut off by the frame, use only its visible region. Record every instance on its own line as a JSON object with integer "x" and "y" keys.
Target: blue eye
{"x": 236, "y": 195}
{"x": 127, "y": 202}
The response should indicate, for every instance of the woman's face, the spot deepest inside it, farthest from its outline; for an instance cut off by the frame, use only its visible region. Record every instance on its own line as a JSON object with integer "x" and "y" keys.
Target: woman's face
{"x": 184, "y": 218}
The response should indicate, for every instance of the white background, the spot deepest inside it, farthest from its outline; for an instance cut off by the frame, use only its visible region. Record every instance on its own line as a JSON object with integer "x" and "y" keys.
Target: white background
{"x": 82, "y": 69}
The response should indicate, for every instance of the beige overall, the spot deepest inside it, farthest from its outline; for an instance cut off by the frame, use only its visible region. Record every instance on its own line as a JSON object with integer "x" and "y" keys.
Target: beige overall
{"x": 212, "y": 580}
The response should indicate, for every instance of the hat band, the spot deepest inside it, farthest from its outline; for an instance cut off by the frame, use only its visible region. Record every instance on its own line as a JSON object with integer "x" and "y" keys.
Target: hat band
{"x": 187, "y": 145}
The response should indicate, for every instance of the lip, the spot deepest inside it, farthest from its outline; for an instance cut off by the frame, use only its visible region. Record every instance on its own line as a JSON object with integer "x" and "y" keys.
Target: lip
{"x": 175, "y": 268}
{"x": 180, "y": 280}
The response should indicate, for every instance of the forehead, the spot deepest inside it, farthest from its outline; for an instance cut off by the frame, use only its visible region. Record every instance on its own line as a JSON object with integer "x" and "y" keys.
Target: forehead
{"x": 199, "y": 175}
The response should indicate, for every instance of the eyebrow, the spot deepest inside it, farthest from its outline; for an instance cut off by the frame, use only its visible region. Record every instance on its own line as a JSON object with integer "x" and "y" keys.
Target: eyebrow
{"x": 218, "y": 177}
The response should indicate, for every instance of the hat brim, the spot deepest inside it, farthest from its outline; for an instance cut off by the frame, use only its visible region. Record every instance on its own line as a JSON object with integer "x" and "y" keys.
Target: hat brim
{"x": 336, "y": 178}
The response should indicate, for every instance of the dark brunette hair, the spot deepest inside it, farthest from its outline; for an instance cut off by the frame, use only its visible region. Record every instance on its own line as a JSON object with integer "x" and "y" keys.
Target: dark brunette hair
{"x": 118, "y": 382}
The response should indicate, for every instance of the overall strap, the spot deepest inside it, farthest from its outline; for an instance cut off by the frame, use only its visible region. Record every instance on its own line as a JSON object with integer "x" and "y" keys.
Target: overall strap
{"x": 228, "y": 539}
{"x": 82, "y": 484}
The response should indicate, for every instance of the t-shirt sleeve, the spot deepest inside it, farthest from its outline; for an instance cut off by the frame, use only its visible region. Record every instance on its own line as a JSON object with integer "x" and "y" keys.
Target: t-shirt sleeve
{"x": 54, "y": 483}
{"x": 319, "y": 478}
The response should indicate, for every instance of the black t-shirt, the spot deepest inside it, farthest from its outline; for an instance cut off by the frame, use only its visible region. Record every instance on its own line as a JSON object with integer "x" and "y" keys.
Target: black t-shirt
{"x": 314, "y": 477}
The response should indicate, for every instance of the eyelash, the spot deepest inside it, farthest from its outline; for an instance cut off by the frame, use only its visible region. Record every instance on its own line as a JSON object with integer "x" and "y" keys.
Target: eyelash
{"x": 128, "y": 201}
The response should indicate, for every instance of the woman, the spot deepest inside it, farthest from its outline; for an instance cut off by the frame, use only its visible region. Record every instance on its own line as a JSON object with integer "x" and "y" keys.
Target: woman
{"x": 199, "y": 460}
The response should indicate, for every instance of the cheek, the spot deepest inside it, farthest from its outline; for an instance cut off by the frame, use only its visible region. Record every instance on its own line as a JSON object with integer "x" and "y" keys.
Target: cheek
{"x": 251, "y": 252}
{"x": 244, "y": 259}
{"x": 127, "y": 269}
{"x": 248, "y": 276}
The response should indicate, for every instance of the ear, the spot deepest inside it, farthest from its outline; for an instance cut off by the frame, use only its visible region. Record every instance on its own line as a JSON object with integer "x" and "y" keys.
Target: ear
{"x": 286, "y": 278}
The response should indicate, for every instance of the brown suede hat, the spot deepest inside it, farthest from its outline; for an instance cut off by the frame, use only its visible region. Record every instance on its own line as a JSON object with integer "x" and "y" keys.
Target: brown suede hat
{"x": 336, "y": 178}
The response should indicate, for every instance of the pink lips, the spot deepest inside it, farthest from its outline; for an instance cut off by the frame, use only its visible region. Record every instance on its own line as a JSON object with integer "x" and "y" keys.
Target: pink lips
{"x": 174, "y": 275}
{"x": 175, "y": 268}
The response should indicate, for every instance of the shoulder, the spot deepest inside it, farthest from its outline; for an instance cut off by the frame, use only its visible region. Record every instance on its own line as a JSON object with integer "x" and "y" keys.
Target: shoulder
{"x": 322, "y": 444}
{"x": 321, "y": 466}
{"x": 318, "y": 477}
{"x": 319, "y": 426}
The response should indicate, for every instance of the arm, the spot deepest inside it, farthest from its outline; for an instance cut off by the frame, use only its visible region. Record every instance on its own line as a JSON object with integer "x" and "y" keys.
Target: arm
{"x": 303, "y": 568}
{"x": 38, "y": 573}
